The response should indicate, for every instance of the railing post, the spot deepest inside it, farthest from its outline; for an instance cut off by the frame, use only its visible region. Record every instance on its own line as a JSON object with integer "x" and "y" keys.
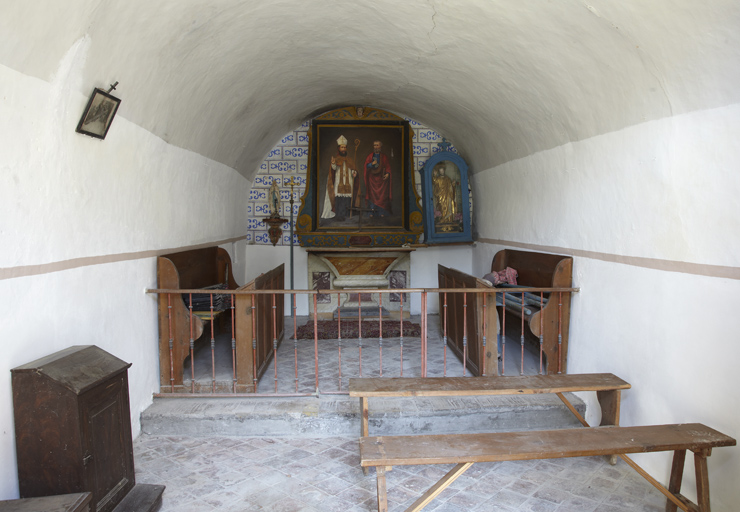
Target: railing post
{"x": 465, "y": 332}
{"x": 444, "y": 337}
{"x": 359, "y": 326}
{"x": 380, "y": 332}
{"x": 542, "y": 331}
{"x": 339, "y": 338}
{"x": 295, "y": 337}
{"x": 401, "y": 333}
{"x": 521, "y": 338}
{"x": 213, "y": 349}
{"x": 233, "y": 345}
{"x": 316, "y": 341}
{"x": 503, "y": 335}
{"x": 171, "y": 343}
{"x": 560, "y": 332}
{"x": 424, "y": 333}
{"x": 254, "y": 341}
{"x": 485, "y": 324}
{"x": 192, "y": 345}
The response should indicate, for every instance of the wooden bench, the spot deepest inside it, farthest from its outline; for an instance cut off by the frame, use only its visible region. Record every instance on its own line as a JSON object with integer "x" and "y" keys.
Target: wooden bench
{"x": 540, "y": 270}
{"x": 607, "y": 386}
{"x": 466, "y": 449}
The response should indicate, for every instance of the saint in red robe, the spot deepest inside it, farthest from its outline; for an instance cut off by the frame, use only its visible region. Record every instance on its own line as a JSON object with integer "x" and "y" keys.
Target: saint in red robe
{"x": 378, "y": 181}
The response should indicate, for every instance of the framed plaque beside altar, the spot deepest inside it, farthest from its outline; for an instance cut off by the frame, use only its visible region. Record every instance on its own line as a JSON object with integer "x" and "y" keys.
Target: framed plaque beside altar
{"x": 360, "y": 182}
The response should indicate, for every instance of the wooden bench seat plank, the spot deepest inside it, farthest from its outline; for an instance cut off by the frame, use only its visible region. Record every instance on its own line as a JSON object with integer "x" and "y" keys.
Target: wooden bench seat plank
{"x": 543, "y": 444}
{"x": 474, "y": 386}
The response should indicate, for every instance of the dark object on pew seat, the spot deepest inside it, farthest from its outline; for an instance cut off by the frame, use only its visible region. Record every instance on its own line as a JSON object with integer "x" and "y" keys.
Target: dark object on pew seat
{"x": 73, "y": 427}
{"x": 540, "y": 270}
{"x": 76, "y": 502}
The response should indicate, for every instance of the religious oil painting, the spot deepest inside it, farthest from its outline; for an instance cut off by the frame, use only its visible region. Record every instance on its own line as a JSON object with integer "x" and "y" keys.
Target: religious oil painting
{"x": 446, "y": 199}
{"x": 359, "y": 185}
{"x": 360, "y": 176}
{"x": 99, "y": 114}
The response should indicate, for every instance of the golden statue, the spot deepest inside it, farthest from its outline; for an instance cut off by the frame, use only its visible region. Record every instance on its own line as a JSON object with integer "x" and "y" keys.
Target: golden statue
{"x": 443, "y": 189}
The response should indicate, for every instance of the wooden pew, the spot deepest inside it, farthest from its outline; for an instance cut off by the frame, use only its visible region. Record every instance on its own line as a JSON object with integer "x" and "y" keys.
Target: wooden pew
{"x": 194, "y": 269}
{"x": 540, "y": 270}
{"x": 478, "y": 350}
{"x": 255, "y": 340}
{"x": 466, "y": 449}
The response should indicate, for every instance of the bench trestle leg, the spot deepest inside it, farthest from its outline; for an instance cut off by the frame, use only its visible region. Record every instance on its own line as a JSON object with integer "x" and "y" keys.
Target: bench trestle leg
{"x": 382, "y": 488}
{"x": 674, "y": 485}
{"x": 364, "y": 427}
{"x": 437, "y": 488}
{"x": 702, "y": 479}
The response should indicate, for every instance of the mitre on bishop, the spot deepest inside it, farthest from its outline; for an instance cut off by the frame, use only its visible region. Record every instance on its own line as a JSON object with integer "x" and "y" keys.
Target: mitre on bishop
{"x": 341, "y": 141}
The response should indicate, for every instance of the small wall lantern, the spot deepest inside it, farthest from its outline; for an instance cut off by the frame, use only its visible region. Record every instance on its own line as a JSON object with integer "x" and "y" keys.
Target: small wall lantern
{"x": 274, "y": 221}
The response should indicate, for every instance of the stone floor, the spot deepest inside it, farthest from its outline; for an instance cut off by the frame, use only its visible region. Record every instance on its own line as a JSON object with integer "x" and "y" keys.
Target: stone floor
{"x": 322, "y": 474}
{"x": 290, "y": 474}
{"x": 339, "y": 360}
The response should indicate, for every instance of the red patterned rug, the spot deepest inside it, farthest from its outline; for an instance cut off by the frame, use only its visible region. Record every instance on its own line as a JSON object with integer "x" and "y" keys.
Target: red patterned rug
{"x": 327, "y": 329}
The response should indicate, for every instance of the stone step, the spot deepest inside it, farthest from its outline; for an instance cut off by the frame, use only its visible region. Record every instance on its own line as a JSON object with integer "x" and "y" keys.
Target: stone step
{"x": 332, "y": 415}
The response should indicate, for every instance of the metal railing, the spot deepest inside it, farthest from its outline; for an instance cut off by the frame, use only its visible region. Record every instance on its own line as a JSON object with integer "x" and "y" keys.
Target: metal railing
{"x": 248, "y": 355}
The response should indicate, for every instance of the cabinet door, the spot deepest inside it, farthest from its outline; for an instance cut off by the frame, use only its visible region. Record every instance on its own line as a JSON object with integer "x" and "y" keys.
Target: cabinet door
{"x": 106, "y": 438}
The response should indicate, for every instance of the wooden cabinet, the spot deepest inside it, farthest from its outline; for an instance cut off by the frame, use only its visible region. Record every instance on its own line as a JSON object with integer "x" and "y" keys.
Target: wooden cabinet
{"x": 73, "y": 426}
{"x": 78, "y": 502}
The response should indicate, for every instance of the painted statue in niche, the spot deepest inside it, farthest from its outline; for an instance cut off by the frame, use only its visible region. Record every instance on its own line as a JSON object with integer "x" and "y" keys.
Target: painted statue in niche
{"x": 360, "y": 176}
{"x": 447, "y": 197}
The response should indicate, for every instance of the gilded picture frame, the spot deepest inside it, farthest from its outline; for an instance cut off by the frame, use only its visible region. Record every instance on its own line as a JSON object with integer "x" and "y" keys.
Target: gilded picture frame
{"x": 360, "y": 185}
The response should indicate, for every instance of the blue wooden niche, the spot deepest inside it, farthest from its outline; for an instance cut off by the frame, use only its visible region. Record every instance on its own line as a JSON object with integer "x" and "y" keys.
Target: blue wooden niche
{"x": 446, "y": 199}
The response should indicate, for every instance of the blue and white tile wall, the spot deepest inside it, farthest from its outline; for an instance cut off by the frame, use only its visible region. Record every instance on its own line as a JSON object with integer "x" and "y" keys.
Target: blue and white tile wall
{"x": 289, "y": 158}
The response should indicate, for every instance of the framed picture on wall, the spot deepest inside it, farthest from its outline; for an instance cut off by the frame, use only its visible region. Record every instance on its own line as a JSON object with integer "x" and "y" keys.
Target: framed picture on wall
{"x": 446, "y": 199}
{"x": 98, "y": 114}
{"x": 360, "y": 184}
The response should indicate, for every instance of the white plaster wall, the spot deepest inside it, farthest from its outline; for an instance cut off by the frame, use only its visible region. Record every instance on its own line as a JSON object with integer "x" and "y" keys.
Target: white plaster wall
{"x": 665, "y": 190}
{"x": 102, "y": 210}
{"x": 103, "y": 305}
{"x": 424, "y": 263}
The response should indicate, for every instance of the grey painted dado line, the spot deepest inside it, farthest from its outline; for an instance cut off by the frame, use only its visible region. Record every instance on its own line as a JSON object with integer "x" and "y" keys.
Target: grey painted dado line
{"x": 636, "y": 261}
{"x": 58, "y": 266}
{"x": 652, "y": 263}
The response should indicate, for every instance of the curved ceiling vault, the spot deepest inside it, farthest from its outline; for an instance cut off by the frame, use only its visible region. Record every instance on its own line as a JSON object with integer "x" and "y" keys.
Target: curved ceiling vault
{"x": 502, "y": 79}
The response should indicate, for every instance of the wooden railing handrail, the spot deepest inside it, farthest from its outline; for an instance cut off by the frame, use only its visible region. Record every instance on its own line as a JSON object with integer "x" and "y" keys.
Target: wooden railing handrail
{"x": 513, "y": 291}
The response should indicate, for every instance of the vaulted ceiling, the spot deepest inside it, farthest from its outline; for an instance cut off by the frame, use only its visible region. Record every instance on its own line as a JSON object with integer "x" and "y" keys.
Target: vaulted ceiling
{"x": 502, "y": 79}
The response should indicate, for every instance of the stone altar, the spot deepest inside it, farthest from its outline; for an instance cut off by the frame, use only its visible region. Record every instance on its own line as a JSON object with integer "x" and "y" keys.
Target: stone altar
{"x": 360, "y": 268}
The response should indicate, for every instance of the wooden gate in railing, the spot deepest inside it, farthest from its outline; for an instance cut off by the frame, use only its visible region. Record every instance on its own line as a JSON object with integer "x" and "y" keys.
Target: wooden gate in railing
{"x": 265, "y": 334}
